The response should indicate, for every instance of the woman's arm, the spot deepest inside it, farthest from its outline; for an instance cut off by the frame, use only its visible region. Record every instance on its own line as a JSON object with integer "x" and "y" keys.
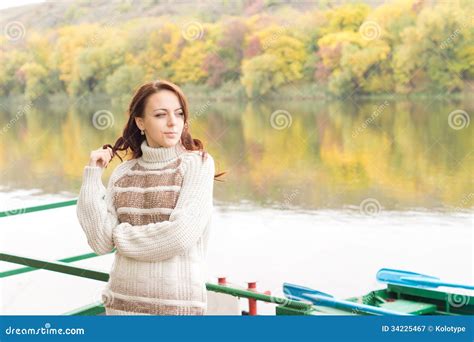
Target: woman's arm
{"x": 163, "y": 240}
{"x": 95, "y": 210}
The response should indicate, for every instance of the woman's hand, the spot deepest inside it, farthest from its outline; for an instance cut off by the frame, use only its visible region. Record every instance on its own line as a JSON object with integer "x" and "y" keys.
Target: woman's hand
{"x": 101, "y": 157}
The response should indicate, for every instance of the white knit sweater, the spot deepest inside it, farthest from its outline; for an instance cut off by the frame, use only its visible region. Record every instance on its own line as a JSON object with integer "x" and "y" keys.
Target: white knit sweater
{"x": 156, "y": 211}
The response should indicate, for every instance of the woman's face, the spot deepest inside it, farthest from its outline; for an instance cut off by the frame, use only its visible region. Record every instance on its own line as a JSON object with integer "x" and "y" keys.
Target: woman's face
{"x": 163, "y": 119}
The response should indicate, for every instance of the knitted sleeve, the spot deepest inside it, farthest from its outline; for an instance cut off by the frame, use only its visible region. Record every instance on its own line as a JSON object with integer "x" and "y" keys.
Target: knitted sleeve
{"x": 95, "y": 210}
{"x": 187, "y": 222}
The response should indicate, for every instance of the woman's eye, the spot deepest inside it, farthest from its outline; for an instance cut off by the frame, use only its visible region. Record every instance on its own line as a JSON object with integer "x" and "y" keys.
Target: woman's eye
{"x": 181, "y": 113}
{"x": 160, "y": 115}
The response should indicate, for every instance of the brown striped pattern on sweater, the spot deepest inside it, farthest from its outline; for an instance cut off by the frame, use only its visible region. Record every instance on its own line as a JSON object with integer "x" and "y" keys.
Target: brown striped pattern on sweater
{"x": 153, "y": 308}
{"x": 148, "y": 200}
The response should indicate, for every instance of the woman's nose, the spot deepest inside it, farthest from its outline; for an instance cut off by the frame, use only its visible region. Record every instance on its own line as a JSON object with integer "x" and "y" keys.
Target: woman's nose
{"x": 171, "y": 120}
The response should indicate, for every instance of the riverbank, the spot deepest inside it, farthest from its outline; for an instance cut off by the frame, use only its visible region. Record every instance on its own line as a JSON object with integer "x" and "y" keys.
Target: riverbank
{"x": 234, "y": 92}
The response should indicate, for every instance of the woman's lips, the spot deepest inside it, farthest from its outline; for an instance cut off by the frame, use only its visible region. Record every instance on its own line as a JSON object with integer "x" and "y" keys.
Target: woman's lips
{"x": 170, "y": 134}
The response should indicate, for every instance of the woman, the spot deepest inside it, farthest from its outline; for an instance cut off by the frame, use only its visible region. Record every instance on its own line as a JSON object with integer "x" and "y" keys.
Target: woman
{"x": 156, "y": 210}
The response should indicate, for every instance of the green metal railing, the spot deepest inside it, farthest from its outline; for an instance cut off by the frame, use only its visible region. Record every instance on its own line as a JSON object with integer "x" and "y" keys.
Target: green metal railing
{"x": 63, "y": 266}
{"x": 27, "y": 210}
{"x": 30, "y": 269}
{"x": 37, "y": 208}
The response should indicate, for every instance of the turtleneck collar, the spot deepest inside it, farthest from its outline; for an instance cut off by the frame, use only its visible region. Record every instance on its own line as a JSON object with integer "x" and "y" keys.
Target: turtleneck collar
{"x": 160, "y": 154}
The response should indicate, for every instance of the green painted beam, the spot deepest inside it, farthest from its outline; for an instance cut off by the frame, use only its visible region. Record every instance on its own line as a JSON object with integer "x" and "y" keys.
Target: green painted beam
{"x": 55, "y": 266}
{"x": 20, "y": 211}
{"x": 62, "y": 267}
{"x": 66, "y": 260}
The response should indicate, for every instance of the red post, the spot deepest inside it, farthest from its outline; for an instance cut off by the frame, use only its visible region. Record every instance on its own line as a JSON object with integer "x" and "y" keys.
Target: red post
{"x": 252, "y": 286}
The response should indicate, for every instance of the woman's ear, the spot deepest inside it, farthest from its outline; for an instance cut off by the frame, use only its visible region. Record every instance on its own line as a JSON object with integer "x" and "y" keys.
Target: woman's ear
{"x": 139, "y": 122}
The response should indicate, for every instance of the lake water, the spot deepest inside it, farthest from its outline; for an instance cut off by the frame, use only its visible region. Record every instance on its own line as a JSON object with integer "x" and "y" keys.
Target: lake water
{"x": 317, "y": 193}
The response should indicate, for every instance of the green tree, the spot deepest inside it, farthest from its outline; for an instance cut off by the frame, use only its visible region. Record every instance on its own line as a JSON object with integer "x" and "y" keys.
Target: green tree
{"x": 124, "y": 80}
{"x": 436, "y": 53}
{"x": 12, "y": 80}
{"x": 94, "y": 65}
{"x": 261, "y": 74}
{"x": 36, "y": 77}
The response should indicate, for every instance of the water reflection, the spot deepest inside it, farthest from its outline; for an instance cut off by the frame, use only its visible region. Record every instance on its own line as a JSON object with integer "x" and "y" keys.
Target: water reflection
{"x": 400, "y": 154}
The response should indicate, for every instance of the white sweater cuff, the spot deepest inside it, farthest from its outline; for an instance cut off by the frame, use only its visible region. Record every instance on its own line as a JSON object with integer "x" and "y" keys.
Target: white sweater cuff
{"x": 92, "y": 175}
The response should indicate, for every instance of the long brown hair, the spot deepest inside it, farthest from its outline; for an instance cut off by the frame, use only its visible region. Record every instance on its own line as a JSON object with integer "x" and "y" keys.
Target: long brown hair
{"x": 131, "y": 137}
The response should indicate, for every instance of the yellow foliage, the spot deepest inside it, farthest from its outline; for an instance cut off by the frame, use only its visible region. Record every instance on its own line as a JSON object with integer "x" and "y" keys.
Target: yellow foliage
{"x": 71, "y": 40}
{"x": 188, "y": 68}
